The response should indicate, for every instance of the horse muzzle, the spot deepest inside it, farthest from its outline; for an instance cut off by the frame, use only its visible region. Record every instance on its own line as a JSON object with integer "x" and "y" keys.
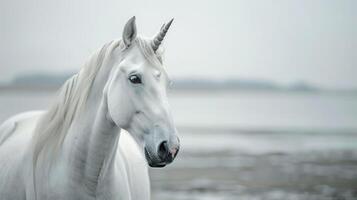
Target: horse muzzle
{"x": 165, "y": 155}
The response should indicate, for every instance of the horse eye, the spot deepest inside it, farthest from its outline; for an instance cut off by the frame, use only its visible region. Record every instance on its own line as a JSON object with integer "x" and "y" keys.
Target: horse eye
{"x": 135, "y": 79}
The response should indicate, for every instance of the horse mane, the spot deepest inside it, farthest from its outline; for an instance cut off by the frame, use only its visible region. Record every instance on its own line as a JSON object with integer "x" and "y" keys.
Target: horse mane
{"x": 53, "y": 126}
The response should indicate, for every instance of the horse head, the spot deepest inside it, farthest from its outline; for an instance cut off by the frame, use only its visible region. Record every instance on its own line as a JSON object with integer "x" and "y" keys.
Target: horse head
{"x": 136, "y": 94}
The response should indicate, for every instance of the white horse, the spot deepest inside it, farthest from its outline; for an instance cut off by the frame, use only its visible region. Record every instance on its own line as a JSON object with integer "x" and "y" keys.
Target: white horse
{"x": 78, "y": 149}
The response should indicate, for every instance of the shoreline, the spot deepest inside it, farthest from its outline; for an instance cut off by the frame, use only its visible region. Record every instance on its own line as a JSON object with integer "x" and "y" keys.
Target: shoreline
{"x": 193, "y": 90}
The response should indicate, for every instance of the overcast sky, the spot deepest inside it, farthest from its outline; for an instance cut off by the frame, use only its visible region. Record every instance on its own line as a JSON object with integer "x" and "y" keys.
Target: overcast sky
{"x": 284, "y": 41}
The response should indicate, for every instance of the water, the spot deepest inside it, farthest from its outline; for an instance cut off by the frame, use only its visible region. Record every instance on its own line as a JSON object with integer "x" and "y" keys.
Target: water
{"x": 265, "y": 110}
{"x": 232, "y": 110}
{"x": 250, "y": 145}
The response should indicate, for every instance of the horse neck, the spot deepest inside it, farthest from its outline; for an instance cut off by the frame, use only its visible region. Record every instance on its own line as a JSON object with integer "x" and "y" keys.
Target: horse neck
{"x": 93, "y": 139}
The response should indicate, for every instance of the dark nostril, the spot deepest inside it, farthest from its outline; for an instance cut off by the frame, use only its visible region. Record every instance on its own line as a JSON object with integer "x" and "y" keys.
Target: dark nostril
{"x": 163, "y": 150}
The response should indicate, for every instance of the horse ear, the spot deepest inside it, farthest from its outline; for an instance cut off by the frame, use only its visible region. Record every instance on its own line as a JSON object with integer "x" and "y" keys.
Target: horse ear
{"x": 129, "y": 33}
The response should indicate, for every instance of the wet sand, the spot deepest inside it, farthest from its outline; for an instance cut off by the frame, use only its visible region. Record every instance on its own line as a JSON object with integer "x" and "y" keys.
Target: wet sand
{"x": 226, "y": 174}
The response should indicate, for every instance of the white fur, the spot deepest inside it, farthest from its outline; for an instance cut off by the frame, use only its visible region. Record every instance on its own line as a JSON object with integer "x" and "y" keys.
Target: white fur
{"x": 130, "y": 163}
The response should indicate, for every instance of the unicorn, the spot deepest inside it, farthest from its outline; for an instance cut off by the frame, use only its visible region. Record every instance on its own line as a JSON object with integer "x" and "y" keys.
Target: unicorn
{"x": 108, "y": 123}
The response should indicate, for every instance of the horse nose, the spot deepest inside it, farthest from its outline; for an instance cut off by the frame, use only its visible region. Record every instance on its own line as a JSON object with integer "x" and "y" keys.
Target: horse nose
{"x": 165, "y": 154}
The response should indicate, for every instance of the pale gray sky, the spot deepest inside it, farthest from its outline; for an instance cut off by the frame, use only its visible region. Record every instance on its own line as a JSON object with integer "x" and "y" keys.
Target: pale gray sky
{"x": 279, "y": 40}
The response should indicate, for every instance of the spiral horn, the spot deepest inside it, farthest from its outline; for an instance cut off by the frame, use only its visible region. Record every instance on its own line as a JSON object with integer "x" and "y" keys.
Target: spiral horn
{"x": 160, "y": 36}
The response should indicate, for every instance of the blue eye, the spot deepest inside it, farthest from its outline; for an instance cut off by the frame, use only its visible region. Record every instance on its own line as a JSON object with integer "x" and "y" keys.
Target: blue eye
{"x": 135, "y": 79}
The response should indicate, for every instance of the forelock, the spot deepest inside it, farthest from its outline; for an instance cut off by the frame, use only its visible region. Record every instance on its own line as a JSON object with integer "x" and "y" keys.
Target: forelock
{"x": 155, "y": 58}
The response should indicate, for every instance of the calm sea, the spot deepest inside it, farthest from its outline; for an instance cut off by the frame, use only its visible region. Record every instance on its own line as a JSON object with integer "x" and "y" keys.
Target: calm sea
{"x": 231, "y": 109}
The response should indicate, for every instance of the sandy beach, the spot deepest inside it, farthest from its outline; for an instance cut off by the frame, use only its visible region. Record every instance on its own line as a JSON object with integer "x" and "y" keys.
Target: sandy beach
{"x": 273, "y": 174}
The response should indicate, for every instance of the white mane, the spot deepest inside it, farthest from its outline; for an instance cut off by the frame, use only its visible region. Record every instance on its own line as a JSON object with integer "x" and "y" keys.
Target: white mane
{"x": 52, "y": 127}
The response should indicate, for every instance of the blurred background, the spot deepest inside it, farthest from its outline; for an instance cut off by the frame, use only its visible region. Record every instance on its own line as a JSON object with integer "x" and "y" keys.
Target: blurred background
{"x": 264, "y": 93}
